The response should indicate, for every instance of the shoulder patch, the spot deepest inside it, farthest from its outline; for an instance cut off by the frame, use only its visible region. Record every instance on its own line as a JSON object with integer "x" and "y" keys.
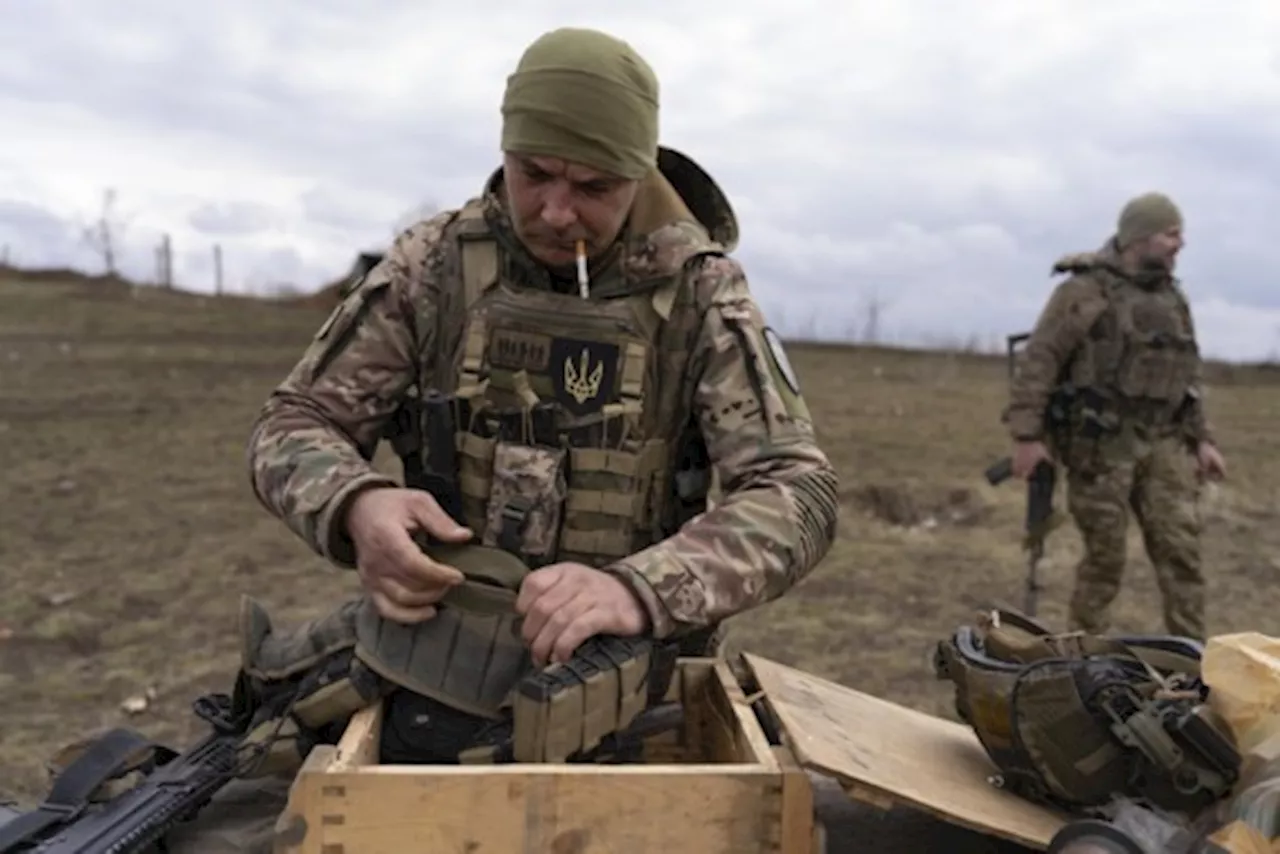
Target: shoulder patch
{"x": 778, "y": 356}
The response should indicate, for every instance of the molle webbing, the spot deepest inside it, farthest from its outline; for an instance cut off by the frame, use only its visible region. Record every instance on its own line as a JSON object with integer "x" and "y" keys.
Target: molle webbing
{"x": 470, "y": 654}
{"x": 468, "y": 661}
{"x": 1139, "y": 350}
{"x": 570, "y": 707}
{"x": 609, "y": 502}
{"x": 618, "y": 457}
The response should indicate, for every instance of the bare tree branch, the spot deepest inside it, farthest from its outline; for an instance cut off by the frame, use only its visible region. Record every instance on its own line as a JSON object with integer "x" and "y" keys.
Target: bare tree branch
{"x": 873, "y": 314}
{"x": 104, "y": 236}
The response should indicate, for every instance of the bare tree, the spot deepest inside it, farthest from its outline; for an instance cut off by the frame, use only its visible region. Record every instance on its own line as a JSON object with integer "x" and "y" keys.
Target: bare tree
{"x": 103, "y": 237}
{"x": 873, "y": 312}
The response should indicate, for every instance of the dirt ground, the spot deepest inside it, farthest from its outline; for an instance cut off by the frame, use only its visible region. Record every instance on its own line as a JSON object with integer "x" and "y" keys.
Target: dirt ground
{"x": 128, "y": 531}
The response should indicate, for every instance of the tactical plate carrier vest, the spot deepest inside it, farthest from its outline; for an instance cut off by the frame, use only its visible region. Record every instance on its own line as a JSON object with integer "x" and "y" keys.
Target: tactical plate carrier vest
{"x": 1073, "y": 720}
{"x": 1138, "y": 362}
{"x": 569, "y": 419}
{"x": 563, "y": 432}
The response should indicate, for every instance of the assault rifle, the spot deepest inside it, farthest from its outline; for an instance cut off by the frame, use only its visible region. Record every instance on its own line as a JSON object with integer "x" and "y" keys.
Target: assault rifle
{"x": 1040, "y": 519}
{"x": 175, "y": 786}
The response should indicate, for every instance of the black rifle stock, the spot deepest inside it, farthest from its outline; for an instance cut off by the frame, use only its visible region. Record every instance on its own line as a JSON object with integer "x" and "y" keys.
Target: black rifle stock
{"x": 1039, "y": 518}
{"x": 999, "y": 471}
{"x": 178, "y": 787}
{"x": 1040, "y": 486}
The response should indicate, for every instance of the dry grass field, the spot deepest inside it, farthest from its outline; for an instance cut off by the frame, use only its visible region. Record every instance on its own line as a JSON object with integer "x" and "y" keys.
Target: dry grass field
{"x": 128, "y": 531}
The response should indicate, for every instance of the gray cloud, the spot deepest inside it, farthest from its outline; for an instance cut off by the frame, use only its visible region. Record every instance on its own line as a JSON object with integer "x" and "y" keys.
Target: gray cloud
{"x": 31, "y": 236}
{"x": 928, "y": 158}
{"x": 231, "y": 219}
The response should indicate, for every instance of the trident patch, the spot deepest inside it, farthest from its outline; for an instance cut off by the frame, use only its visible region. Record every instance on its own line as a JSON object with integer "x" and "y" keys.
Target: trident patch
{"x": 584, "y": 374}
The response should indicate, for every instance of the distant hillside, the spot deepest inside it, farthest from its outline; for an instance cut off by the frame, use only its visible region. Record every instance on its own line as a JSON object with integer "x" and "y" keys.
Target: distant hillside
{"x": 327, "y": 296}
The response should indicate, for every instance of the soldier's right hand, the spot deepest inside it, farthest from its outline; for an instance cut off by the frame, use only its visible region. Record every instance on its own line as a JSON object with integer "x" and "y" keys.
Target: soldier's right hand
{"x": 1026, "y": 456}
{"x": 403, "y": 582}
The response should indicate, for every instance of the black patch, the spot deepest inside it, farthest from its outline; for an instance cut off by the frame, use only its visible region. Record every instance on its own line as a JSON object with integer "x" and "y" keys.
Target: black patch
{"x": 584, "y": 374}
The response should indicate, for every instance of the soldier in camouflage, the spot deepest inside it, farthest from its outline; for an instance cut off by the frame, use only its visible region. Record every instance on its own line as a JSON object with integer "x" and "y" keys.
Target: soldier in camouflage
{"x": 1117, "y": 336}
{"x": 579, "y": 394}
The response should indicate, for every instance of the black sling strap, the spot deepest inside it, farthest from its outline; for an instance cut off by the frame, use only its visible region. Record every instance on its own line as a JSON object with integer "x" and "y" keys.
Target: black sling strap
{"x": 103, "y": 759}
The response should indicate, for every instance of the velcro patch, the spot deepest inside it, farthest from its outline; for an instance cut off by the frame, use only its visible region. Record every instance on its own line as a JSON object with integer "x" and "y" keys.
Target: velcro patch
{"x": 778, "y": 356}
{"x": 584, "y": 374}
{"x": 520, "y": 351}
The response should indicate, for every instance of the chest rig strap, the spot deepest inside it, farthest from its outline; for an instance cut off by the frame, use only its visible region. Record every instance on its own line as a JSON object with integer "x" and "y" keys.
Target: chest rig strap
{"x": 478, "y": 256}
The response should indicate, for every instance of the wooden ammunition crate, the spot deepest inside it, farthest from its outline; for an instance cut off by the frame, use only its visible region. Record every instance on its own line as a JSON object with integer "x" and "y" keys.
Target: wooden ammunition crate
{"x": 718, "y": 786}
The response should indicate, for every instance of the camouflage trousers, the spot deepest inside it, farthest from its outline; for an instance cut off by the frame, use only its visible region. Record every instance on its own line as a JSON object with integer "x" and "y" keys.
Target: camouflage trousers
{"x": 1158, "y": 486}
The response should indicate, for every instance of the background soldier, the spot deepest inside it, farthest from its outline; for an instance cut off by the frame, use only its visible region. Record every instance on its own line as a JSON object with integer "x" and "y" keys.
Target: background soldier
{"x": 1117, "y": 340}
{"x": 589, "y": 398}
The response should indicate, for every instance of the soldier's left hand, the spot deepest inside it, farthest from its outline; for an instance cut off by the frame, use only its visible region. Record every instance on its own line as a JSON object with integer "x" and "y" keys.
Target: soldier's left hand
{"x": 564, "y": 604}
{"x": 1209, "y": 462}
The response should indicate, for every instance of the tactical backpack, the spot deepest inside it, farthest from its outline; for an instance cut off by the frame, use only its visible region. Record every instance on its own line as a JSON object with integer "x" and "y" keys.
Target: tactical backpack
{"x": 1074, "y": 720}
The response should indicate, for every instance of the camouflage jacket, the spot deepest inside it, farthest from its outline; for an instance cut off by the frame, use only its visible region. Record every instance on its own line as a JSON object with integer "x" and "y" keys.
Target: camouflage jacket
{"x": 312, "y": 443}
{"x": 1072, "y": 334}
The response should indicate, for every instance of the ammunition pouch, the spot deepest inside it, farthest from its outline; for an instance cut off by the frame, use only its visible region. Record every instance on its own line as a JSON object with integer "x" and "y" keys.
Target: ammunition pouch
{"x": 1090, "y": 421}
{"x": 1095, "y": 418}
{"x": 569, "y": 708}
{"x": 1074, "y": 720}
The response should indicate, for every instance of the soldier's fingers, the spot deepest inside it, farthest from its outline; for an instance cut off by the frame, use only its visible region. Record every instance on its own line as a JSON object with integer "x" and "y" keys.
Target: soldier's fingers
{"x": 398, "y": 614}
{"x": 535, "y": 586}
{"x": 543, "y": 639}
{"x": 428, "y": 513}
{"x": 550, "y": 603}
{"x": 409, "y": 595}
{"x": 590, "y": 622}
{"x": 414, "y": 568}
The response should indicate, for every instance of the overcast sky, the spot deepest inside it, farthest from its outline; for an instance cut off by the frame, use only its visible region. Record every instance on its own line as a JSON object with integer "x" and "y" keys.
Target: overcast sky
{"x": 930, "y": 156}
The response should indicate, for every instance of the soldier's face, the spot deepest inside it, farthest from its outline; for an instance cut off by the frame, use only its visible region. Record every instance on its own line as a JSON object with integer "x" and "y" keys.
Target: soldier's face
{"x": 554, "y": 203}
{"x": 1161, "y": 250}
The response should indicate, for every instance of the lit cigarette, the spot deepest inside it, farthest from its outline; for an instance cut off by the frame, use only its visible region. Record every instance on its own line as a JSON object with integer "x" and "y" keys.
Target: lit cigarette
{"x": 582, "y": 269}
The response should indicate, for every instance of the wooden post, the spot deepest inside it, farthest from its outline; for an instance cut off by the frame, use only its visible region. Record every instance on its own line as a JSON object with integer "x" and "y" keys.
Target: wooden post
{"x": 217, "y": 269}
{"x": 166, "y": 251}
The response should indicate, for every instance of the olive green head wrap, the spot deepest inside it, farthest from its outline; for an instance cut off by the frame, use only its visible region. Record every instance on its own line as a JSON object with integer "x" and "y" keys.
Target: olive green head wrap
{"x": 584, "y": 96}
{"x": 1144, "y": 216}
